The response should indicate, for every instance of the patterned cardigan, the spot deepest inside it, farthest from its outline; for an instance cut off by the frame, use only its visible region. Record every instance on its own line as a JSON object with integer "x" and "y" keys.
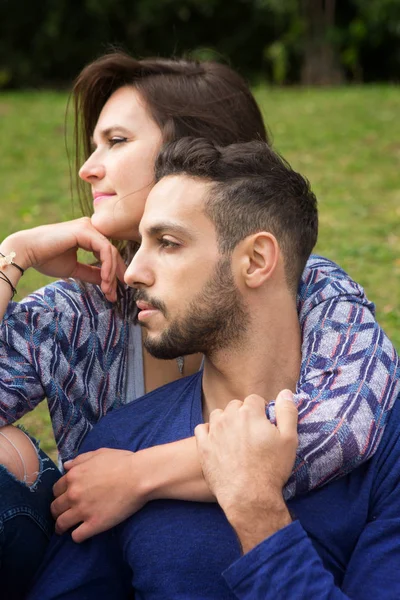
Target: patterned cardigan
{"x": 67, "y": 344}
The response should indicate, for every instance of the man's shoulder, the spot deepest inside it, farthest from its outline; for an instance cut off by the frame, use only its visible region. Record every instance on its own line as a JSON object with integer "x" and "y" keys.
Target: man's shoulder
{"x": 377, "y": 481}
{"x": 158, "y": 417}
{"x": 386, "y": 461}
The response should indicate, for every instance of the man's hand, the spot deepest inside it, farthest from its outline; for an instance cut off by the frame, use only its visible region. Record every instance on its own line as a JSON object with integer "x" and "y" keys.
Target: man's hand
{"x": 246, "y": 462}
{"x": 100, "y": 490}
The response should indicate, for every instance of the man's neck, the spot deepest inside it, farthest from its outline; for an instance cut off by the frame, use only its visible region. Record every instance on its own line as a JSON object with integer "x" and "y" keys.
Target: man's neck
{"x": 264, "y": 363}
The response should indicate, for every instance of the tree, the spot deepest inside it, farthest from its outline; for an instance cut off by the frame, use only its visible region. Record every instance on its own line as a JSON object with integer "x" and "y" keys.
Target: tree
{"x": 320, "y": 59}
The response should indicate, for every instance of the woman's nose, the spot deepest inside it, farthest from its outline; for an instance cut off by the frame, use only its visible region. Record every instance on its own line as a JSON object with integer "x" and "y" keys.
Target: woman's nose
{"x": 92, "y": 169}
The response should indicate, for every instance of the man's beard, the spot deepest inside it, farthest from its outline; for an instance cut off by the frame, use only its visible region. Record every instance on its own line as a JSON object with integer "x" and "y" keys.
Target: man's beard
{"x": 216, "y": 319}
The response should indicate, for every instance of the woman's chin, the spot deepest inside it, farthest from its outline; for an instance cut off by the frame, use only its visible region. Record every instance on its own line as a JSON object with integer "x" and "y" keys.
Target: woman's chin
{"x": 111, "y": 228}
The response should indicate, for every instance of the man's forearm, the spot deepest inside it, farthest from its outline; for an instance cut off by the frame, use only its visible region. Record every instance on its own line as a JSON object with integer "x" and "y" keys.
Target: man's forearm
{"x": 255, "y": 523}
{"x": 285, "y": 565}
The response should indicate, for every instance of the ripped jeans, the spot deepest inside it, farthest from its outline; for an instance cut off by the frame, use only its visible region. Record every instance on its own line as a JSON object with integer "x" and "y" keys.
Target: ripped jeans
{"x": 26, "y": 526}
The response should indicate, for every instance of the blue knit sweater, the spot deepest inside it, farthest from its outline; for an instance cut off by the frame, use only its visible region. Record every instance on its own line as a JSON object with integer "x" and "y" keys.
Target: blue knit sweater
{"x": 344, "y": 543}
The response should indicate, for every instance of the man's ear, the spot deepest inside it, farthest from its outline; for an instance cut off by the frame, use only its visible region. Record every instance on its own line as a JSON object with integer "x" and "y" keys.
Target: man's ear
{"x": 259, "y": 258}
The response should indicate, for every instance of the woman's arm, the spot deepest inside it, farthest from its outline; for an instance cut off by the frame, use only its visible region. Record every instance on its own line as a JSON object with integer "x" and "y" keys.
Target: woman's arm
{"x": 349, "y": 378}
{"x": 104, "y": 487}
{"x": 52, "y": 250}
{"x": 348, "y": 383}
{"x": 9, "y": 276}
{"x": 30, "y": 330}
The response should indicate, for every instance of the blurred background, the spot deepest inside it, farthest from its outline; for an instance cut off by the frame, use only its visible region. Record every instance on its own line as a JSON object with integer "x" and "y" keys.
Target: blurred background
{"x": 324, "y": 72}
{"x": 283, "y": 41}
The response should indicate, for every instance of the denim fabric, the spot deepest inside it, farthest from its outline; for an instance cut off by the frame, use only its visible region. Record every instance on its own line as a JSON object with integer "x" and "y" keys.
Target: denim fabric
{"x": 26, "y": 526}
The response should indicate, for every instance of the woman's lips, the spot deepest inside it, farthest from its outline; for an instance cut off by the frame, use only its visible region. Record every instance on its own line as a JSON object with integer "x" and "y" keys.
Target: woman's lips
{"x": 99, "y": 196}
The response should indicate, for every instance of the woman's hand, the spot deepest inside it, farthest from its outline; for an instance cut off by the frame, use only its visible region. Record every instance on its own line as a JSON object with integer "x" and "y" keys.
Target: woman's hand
{"x": 101, "y": 489}
{"x": 52, "y": 250}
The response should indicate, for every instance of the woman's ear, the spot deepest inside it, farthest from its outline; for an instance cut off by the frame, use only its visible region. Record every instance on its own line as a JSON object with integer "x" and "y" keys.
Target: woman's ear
{"x": 259, "y": 257}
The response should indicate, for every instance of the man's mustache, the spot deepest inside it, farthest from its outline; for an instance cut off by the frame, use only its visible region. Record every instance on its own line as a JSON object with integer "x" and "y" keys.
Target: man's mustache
{"x": 155, "y": 302}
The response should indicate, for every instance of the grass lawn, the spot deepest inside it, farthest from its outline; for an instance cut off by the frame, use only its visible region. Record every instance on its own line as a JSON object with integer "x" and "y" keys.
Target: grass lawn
{"x": 345, "y": 140}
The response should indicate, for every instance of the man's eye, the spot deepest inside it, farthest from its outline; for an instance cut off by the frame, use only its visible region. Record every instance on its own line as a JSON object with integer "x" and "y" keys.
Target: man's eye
{"x": 165, "y": 243}
{"x": 116, "y": 140}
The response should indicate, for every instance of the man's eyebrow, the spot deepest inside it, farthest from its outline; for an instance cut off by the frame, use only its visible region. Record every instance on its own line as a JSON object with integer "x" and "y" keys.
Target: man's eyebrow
{"x": 169, "y": 227}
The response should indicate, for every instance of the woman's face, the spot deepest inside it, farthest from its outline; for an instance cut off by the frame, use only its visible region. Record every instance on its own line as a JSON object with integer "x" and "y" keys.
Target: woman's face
{"x": 126, "y": 141}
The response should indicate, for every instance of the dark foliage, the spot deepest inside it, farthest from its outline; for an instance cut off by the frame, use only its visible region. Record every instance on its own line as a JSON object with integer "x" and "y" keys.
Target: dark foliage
{"x": 47, "y": 42}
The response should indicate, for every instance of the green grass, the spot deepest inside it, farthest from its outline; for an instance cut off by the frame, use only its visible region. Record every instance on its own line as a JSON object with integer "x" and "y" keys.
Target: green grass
{"x": 345, "y": 140}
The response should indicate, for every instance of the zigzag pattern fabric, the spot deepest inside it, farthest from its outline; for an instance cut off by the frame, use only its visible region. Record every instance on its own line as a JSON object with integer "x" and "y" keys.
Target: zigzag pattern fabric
{"x": 67, "y": 344}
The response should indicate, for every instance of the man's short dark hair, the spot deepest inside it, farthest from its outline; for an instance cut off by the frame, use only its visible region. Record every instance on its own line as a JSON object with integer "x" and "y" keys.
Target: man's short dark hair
{"x": 254, "y": 189}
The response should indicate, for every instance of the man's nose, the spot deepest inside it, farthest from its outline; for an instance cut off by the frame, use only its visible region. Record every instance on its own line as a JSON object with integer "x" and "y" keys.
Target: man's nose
{"x": 139, "y": 273}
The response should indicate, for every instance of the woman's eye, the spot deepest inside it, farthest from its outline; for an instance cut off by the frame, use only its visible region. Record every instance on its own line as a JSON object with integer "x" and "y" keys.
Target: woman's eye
{"x": 116, "y": 140}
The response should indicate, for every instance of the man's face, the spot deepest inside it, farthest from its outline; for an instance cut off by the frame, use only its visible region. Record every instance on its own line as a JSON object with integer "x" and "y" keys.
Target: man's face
{"x": 187, "y": 297}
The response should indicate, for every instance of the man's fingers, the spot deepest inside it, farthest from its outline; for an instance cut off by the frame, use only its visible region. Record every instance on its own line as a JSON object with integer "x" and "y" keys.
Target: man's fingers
{"x": 233, "y": 406}
{"x": 255, "y": 402}
{"x": 201, "y": 434}
{"x": 215, "y": 415}
{"x": 286, "y": 414}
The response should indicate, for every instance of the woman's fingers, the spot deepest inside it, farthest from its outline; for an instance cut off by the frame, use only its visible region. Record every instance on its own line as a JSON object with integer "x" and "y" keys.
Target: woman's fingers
{"x": 60, "y": 505}
{"x": 52, "y": 250}
{"x": 87, "y": 273}
{"x": 112, "y": 265}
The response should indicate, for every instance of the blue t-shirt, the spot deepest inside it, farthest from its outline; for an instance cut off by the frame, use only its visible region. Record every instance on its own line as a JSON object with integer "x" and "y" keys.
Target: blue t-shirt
{"x": 344, "y": 541}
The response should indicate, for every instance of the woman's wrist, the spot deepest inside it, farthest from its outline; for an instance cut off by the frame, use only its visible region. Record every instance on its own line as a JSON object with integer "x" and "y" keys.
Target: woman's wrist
{"x": 141, "y": 477}
{"x": 9, "y": 274}
{"x": 172, "y": 471}
{"x": 149, "y": 475}
{"x": 11, "y": 270}
{"x": 14, "y": 246}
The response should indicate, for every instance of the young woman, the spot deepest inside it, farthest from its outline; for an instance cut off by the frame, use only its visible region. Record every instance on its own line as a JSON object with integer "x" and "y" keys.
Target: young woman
{"x": 74, "y": 341}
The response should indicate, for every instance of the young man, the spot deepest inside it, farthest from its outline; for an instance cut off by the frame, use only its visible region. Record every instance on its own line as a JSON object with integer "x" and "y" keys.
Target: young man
{"x": 225, "y": 236}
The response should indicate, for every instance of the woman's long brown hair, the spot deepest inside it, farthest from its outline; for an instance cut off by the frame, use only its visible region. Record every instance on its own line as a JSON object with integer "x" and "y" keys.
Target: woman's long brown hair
{"x": 184, "y": 97}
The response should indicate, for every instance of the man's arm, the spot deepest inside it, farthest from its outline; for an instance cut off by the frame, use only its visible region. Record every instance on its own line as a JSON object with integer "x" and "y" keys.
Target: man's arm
{"x": 239, "y": 454}
{"x": 246, "y": 461}
{"x": 337, "y": 335}
{"x": 286, "y": 565}
{"x": 100, "y": 502}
